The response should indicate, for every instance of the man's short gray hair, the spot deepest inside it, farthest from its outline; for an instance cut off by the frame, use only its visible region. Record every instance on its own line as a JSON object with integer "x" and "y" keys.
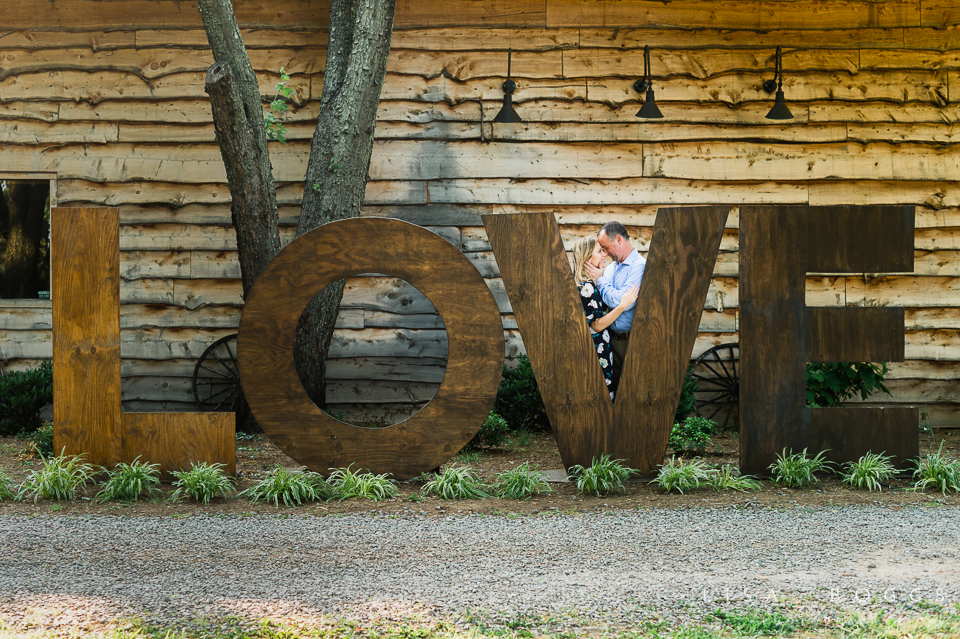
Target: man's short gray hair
{"x": 613, "y": 229}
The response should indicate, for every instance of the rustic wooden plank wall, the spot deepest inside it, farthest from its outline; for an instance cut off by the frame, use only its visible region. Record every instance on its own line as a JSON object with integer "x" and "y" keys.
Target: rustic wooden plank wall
{"x": 109, "y": 95}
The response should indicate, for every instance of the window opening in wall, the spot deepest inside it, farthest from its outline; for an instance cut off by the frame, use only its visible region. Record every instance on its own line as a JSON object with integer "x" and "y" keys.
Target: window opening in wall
{"x": 24, "y": 239}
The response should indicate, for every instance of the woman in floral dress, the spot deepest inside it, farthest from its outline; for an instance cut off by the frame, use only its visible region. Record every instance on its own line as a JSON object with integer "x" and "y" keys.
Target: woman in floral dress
{"x": 599, "y": 317}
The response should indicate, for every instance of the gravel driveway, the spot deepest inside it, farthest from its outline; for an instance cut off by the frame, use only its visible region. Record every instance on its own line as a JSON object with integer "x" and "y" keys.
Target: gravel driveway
{"x": 611, "y": 567}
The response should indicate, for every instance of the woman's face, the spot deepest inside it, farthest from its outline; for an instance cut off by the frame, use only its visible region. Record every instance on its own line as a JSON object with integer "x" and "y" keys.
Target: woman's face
{"x": 598, "y": 257}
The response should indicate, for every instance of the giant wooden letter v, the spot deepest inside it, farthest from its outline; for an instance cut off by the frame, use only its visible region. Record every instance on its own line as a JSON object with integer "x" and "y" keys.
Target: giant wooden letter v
{"x": 544, "y": 297}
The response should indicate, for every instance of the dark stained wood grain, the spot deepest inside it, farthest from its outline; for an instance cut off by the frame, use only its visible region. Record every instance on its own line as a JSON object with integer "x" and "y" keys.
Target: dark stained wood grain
{"x": 849, "y": 433}
{"x": 779, "y": 333}
{"x": 85, "y": 274}
{"x": 371, "y": 245}
{"x": 545, "y": 301}
{"x": 177, "y": 440}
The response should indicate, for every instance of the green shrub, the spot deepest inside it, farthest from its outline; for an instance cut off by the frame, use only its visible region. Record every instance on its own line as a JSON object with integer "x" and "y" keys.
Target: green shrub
{"x": 937, "y": 471}
{"x": 493, "y": 433}
{"x": 688, "y": 399}
{"x": 58, "y": 478}
{"x": 602, "y": 477}
{"x": 796, "y": 470}
{"x": 202, "y": 483}
{"x": 22, "y": 395}
{"x": 292, "y": 488}
{"x": 729, "y": 478}
{"x": 868, "y": 471}
{"x": 42, "y": 439}
{"x": 455, "y": 482}
{"x": 677, "y": 475}
{"x": 347, "y": 484}
{"x": 832, "y": 383}
{"x": 521, "y": 482}
{"x": 127, "y": 482}
{"x": 693, "y": 435}
{"x": 518, "y": 398}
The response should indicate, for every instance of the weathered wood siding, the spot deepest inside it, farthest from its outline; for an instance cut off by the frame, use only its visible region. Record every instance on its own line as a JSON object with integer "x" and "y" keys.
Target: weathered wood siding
{"x": 108, "y": 94}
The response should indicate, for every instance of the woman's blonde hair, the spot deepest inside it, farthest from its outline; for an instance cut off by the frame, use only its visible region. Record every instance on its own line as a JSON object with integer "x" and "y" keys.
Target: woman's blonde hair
{"x": 582, "y": 251}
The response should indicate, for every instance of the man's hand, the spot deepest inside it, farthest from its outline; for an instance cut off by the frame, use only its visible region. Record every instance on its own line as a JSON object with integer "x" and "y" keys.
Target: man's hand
{"x": 592, "y": 271}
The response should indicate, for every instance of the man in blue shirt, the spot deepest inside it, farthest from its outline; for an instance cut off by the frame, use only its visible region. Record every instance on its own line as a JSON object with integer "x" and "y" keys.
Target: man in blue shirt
{"x": 615, "y": 280}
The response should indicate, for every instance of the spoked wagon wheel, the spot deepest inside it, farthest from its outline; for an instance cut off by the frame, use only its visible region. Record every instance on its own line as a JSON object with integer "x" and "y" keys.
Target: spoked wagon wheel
{"x": 717, "y": 372}
{"x": 216, "y": 377}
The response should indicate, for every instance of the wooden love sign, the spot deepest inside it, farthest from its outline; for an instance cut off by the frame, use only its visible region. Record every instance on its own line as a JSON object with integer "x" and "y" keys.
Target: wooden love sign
{"x": 779, "y": 333}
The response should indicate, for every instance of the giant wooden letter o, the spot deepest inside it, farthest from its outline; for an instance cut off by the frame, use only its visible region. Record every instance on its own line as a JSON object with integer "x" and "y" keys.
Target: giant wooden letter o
{"x": 370, "y": 245}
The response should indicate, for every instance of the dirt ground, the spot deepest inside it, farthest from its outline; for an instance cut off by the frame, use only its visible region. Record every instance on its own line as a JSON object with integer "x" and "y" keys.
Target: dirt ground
{"x": 257, "y": 456}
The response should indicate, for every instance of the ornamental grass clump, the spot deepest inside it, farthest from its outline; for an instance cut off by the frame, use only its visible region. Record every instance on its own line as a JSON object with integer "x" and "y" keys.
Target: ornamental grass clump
{"x": 521, "y": 482}
{"x": 937, "y": 471}
{"x": 202, "y": 483}
{"x": 678, "y": 476}
{"x": 58, "y": 478}
{"x": 128, "y": 482}
{"x": 796, "y": 470}
{"x": 346, "y": 484}
{"x": 293, "y": 488}
{"x": 455, "y": 482}
{"x": 869, "y": 471}
{"x": 602, "y": 477}
{"x": 8, "y": 491}
{"x": 728, "y": 477}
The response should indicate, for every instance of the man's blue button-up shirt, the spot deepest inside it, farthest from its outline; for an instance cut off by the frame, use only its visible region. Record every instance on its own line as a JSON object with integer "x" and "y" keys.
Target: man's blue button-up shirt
{"x": 616, "y": 280}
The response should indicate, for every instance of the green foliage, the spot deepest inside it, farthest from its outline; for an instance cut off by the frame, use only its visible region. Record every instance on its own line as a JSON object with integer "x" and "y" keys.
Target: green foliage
{"x": 518, "y": 399}
{"x": 347, "y": 484}
{"x": 602, "y": 477}
{"x": 832, "y": 383}
{"x": 868, "y": 471}
{"x": 937, "y": 471}
{"x": 728, "y": 477}
{"x": 58, "y": 478}
{"x": 127, "y": 482}
{"x": 494, "y": 432}
{"x": 22, "y": 395}
{"x": 8, "y": 491}
{"x": 687, "y": 398}
{"x": 752, "y": 623}
{"x": 796, "y": 470}
{"x": 693, "y": 435}
{"x": 521, "y": 439}
{"x": 202, "y": 483}
{"x": 293, "y": 488}
{"x": 275, "y": 129}
{"x": 521, "y": 482}
{"x": 455, "y": 482}
{"x": 42, "y": 439}
{"x": 677, "y": 475}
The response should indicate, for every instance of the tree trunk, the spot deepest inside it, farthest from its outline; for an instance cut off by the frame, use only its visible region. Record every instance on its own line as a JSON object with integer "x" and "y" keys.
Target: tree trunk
{"x": 339, "y": 165}
{"x": 25, "y": 204}
{"x": 242, "y": 138}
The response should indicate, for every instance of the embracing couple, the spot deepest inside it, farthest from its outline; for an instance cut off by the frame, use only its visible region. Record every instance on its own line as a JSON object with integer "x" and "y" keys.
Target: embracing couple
{"x": 609, "y": 294}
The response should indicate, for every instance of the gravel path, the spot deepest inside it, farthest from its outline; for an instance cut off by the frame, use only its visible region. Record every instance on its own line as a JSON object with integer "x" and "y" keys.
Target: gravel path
{"x": 614, "y": 567}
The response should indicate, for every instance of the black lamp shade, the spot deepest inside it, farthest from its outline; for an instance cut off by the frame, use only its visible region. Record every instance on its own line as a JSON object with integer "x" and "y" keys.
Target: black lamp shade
{"x": 779, "y": 110}
{"x": 649, "y": 108}
{"x": 507, "y": 114}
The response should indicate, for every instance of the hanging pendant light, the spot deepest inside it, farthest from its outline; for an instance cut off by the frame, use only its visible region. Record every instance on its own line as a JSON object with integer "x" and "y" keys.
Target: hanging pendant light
{"x": 649, "y": 108}
{"x": 779, "y": 110}
{"x": 507, "y": 114}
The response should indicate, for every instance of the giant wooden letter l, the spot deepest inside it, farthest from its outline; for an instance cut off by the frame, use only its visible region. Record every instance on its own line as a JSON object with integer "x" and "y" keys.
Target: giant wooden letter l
{"x": 542, "y": 292}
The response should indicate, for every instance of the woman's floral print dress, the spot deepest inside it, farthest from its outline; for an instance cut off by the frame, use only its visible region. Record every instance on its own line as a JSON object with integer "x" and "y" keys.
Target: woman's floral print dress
{"x": 594, "y": 308}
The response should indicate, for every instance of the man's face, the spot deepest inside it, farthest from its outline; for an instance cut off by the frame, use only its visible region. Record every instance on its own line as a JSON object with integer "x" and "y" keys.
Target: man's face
{"x": 617, "y": 248}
